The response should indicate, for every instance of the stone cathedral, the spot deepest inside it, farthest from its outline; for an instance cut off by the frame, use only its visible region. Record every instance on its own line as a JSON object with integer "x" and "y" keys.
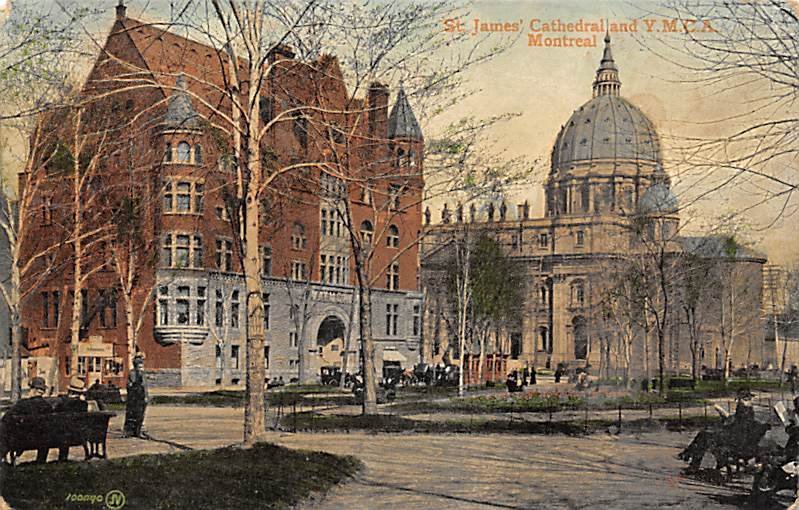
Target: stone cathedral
{"x": 606, "y": 167}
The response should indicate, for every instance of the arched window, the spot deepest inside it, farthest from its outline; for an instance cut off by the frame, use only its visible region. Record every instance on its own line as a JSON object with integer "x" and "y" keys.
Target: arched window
{"x": 392, "y": 276}
{"x": 367, "y": 232}
{"x": 298, "y": 240}
{"x": 392, "y": 241}
{"x": 543, "y": 339}
{"x": 198, "y": 154}
{"x": 184, "y": 152}
{"x": 578, "y": 293}
{"x": 580, "y": 338}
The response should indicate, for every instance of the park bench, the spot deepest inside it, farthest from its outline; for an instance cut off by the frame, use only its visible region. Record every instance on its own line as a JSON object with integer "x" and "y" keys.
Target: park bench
{"x": 56, "y": 430}
{"x": 104, "y": 394}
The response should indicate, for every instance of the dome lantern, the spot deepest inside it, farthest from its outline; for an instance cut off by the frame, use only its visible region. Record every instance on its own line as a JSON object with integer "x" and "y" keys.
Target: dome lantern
{"x": 607, "y": 81}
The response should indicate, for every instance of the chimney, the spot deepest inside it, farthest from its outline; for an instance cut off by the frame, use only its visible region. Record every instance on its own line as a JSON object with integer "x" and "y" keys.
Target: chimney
{"x": 121, "y": 10}
{"x": 378, "y": 110}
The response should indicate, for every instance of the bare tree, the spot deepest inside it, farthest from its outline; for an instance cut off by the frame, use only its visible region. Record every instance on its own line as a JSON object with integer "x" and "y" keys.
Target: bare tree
{"x": 750, "y": 47}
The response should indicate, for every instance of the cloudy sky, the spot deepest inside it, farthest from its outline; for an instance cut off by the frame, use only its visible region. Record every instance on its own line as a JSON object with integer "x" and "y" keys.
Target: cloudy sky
{"x": 544, "y": 85}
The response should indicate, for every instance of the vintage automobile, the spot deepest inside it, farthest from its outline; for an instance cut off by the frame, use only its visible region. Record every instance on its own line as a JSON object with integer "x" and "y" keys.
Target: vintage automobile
{"x": 330, "y": 375}
{"x": 392, "y": 372}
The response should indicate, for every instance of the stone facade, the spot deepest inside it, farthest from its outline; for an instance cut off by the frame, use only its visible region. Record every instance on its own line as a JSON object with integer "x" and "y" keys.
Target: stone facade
{"x": 606, "y": 175}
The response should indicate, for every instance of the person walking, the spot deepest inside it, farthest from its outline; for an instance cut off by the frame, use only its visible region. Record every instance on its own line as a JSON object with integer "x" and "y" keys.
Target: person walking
{"x": 532, "y": 376}
{"x": 137, "y": 399}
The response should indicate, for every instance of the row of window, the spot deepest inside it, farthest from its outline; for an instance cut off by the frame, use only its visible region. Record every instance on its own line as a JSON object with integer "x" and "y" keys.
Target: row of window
{"x": 332, "y": 223}
{"x": 183, "y": 153}
{"x": 334, "y": 269}
{"x": 544, "y": 238}
{"x": 392, "y": 320}
{"x": 183, "y": 197}
{"x": 576, "y": 295}
{"x": 103, "y": 307}
{"x": 368, "y": 232}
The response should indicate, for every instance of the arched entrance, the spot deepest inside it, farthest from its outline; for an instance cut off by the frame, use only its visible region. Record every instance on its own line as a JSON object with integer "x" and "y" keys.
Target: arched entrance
{"x": 330, "y": 340}
{"x": 580, "y": 333}
{"x": 330, "y": 329}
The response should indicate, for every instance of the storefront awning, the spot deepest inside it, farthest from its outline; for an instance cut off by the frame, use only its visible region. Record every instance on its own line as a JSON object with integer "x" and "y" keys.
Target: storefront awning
{"x": 393, "y": 356}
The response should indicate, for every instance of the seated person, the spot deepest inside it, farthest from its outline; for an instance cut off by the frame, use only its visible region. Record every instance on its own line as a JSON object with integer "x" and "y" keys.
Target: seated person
{"x": 733, "y": 429}
{"x": 73, "y": 402}
{"x": 34, "y": 404}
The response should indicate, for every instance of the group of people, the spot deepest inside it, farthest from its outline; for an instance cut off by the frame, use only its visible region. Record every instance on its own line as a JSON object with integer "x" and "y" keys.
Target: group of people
{"x": 517, "y": 379}
{"x": 74, "y": 401}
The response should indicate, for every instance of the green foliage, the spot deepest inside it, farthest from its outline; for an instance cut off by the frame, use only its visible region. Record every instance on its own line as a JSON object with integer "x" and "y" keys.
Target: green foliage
{"x": 265, "y": 476}
{"x": 496, "y": 285}
{"x": 731, "y": 246}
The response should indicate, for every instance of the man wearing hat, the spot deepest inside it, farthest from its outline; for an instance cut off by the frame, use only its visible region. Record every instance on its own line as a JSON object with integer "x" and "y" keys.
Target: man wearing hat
{"x": 137, "y": 399}
{"x": 72, "y": 402}
{"x": 34, "y": 404}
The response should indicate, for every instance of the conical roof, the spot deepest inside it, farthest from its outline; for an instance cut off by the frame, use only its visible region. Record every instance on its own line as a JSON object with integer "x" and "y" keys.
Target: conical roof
{"x": 180, "y": 113}
{"x": 402, "y": 122}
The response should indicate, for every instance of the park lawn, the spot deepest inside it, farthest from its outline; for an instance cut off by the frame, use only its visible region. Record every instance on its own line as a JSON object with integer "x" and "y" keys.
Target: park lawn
{"x": 387, "y": 423}
{"x": 286, "y": 396}
{"x": 265, "y": 476}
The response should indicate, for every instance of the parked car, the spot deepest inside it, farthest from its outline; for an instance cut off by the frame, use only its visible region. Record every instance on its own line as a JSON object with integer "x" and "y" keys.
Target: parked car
{"x": 330, "y": 376}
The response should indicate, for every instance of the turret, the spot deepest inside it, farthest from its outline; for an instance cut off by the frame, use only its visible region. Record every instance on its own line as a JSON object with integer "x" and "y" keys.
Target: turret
{"x": 404, "y": 133}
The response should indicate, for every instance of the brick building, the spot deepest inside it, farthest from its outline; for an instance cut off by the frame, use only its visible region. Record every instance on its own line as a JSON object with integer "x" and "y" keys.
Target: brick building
{"x": 157, "y": 97}
{"x": 606, "y": 172}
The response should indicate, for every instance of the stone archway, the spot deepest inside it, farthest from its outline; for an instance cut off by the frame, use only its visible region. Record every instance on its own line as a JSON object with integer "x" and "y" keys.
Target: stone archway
{"x": 580, "y": 333}
{"x": 330, "y": 340}
{"x": 330, "y": 329}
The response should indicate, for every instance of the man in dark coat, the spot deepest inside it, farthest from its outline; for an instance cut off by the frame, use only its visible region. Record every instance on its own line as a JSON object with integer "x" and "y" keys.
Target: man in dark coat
{"x": 137, "y": 399}
{"x": 72, "y": 402}
{"x": 533, "y": 376}
{"x": 34, "y": 404}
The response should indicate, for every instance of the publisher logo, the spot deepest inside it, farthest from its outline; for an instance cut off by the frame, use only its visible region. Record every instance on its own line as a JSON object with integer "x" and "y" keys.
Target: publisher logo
{"x": 115, "y": 500}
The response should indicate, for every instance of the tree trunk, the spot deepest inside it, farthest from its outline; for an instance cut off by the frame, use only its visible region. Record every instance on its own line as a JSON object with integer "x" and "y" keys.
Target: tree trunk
{"x": 368, "y": 352}
{"x": 254, "y": 420}
{"x": 16, "y": 356}
{"x": 345, "y": 361}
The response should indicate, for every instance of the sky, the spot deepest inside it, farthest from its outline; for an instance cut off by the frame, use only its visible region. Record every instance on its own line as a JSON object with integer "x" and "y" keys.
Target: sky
{"x": 544, "y": 85}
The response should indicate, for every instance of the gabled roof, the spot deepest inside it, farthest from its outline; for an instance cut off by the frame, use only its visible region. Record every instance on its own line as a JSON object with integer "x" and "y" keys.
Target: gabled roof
{"x": 402, "y": 122}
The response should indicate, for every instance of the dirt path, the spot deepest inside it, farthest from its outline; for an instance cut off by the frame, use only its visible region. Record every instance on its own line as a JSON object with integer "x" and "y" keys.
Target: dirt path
{"x": 493, "y": 471}
{"x": 464, "y": 471}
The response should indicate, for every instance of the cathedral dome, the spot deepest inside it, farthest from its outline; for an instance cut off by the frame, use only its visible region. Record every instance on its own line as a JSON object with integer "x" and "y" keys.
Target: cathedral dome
{"x": 608, "y": 127}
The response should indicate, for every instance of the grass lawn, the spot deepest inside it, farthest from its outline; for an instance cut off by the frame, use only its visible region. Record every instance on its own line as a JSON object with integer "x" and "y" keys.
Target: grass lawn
{"x": 387, "y": 423}
{"x": 288, "y": 395}
{"x": 265, "y": 476}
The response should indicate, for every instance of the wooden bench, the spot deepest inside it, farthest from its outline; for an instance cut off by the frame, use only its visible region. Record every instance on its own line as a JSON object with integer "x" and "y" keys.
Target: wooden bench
{"x": 104, "y": 395}
{"x": 56, "y": 430}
